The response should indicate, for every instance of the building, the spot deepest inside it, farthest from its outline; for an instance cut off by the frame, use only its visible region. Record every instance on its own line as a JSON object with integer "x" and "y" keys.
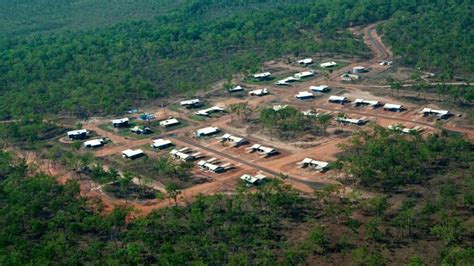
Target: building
{"x": 305, "y": 62}
{"x": 122, "y": 122}
{"x": 207, "y": 131}
{"x": 304, "y": 95}
{"x": 265, "y": 151}
{"x": 309, "y": 113}
{"x": 279, "y": 107}
{"x": 259, "y": 92}
{"x": 359, "y": 69}
{"x": 209, "y": 111}
{"x": 94, "y": 143}
{"x": 253, "y": 180}
{"x": 386, "y": 63}
{"x": 132, "y": 154}
{"x": 286, "y": 81}
{"x": 317, "y": 165}
{"x": 337, "y": 99}
{"x": 193, "y": 103}
{"x": 393, "y": 107}
{"x": 141, "y": 130}
{"x": 236, "y": 89}
{"x": 345, "y": 120}
{"x": 441, "y": 114}
{"x": 320, "y": 88}
{"x": 262, "y": 76}
{"x": 349, "y": 77}
{"x": 328, "y": 64}
{"x": 304, "y": 74}
{"x": 402, "y": 129}
{"x": 182, "y": 155}
{"x": 161, "y": 144}
{"x": 169, "y": 122}
{"x": 78, "y": 134}
{"x": 373, "y": 104}
{"x": 235, "y": 141}
{"x": 209, "y": 166}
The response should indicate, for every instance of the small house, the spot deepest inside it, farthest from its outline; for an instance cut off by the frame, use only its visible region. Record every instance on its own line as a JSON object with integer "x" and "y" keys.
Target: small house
{"x": 94, "y": 143}
{"x": 78, "y": 134}
{"x": 253, "y": 180}
{"x": 236, "y": 141}
{"x": 265, "y": 151}
{"x": 193, "y": 103}
{"x": 304, "y": 74}
{"x": 317, "y": 165}
{"x": 359, "y": 69}
{"x": 373, "y": 104}
{"x": 209, "y": 166}
{"x": 236, "y": 89}
{"x": 262, "y": 76}
{"x": 320, "y": 88}
{"x": 182, "y": 155}
{"x": 169, "y": 122}
{"x": 286, "y": 81}
{"x": 393, "y": 107}
{"x": 207, "y": 131}
{"x": 441, "y": 114}
{"x": 358, "y": 122}
{"x": 141, "y": 130}
{"x": 337, "y": 99}
{"x": 259, "y": 92}
{"x": 305, "y": 62}
{"x": 349, "y": 77}
{"x": 161, "y": 144}
{"x": 304, "y": 95}
{"x": 132, "y": 154}
{"x": 122, "y": 122}
{"x": 209, "y": 111}
{"x": 405, "y": 130}
{"x": 328, "y": 64}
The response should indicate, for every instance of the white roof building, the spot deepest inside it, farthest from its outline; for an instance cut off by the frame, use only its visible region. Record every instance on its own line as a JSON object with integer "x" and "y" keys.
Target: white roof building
{"x": 131, "y": 154}
{"x": 438, "y": 113}
{"x": 236, "y": 88}
{"x": 77, "y": 133}
{"x": 181, "y": 155}
{"x": 208, "y": 111}
{"x": 320, "y": 88}
{"x": 161, "y": 143}
{"x": 358, "y": 102}
{"x": 266, "y": 151}
{"x": 169, "y": 122}
{"x": 237, "y": 141}
{"x": 304, "y": 95}
{"x": 349, "y": 77}
{"x": 393, "y": 107}
{"x": 94, "y": 143}
{"x": 337, "y": 99}
{"x": 207, "y": 131}
{"x": 318, "y": 165}
{"x": 253, "y": 180}
{"x": 304, "y": 74}
{"x": 359, "y": 69}
{"x": 358, "y": 122}
{"x": 190, "y": 102}
{"x": 309, "y": 113}
{"x": 209, "y": 166}
{"x": 259, "y": 92}
{"x": 120, "y": 121}
{"x": 279, "y": 107}
{"x": 328, "y": 64}
{"x": 262, "y": 75}
{"x": 405, "y": 130}
{"x": 286, "y": 81}
{"x": 306, "y": 61}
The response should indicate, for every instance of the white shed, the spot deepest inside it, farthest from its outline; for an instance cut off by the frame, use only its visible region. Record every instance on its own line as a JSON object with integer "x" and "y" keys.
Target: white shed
{"x": 319, "y": 88}
{"x": 259, "y": 92}
{"x": 328, "y": 64}
{"x": 169, "y": 122}
{"x": 78, "y": 134}
{"x": 122, "y": 122}
{"x": 305, "y": 62}
{"x": 132, "y": 154}
{"x": 337, "y": 99}
{"x": 393, "y": 107}
{"x": 303, "y": 95}
{"x": 94, "y": 143}
{"x": 161, "y": 143}
{"x": 207, "y": 131}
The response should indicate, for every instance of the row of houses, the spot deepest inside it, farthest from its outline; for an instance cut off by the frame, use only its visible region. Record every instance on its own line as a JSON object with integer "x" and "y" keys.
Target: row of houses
{"x": 387, "y": 107}
{"x": 314, "y": 164}
{"x": 298, "y": 76}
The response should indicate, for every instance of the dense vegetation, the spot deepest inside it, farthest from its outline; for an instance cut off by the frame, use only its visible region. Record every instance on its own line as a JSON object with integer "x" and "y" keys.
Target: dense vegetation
{"x": 42, "y": 221}
{"x": 190, "y": 44}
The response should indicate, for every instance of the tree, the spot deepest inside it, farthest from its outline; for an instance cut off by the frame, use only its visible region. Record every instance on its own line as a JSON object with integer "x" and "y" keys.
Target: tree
{"x": 172, "y": 191}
